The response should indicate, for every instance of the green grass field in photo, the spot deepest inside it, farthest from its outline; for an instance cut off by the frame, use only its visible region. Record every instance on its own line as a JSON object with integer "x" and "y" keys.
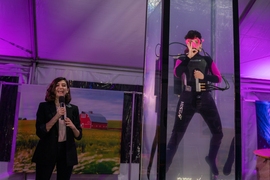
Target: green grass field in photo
{"x": 98, "y": 150}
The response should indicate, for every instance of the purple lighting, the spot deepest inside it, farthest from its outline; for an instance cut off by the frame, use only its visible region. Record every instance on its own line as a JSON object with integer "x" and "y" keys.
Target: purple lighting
{"x": 256, "y": 69}
{"x": 254, "y": 41}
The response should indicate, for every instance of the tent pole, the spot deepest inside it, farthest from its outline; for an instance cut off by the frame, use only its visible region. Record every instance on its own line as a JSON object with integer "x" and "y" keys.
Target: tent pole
{"x": 32, "y": 17}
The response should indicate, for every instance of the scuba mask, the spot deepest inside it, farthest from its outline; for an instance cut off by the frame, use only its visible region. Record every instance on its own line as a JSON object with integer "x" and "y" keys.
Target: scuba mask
{"x": 195, "y": 42}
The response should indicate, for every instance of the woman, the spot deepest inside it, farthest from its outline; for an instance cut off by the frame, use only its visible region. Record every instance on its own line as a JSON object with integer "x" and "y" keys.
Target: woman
{"x": 197, "y": 71}
{"x": 57, "y": 127}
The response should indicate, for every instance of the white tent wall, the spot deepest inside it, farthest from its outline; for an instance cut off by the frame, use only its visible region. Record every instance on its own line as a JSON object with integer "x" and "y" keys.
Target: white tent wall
{"x": 46, "y": 72}
{"x": 252, "y": 90}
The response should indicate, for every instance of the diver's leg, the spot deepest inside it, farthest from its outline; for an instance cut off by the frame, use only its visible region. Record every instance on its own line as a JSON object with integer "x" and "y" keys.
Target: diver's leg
{"x": 211, "y": 116}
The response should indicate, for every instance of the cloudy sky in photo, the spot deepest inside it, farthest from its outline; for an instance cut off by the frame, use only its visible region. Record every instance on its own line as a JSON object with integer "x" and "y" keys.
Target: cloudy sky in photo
{"x": 105, "y": 102}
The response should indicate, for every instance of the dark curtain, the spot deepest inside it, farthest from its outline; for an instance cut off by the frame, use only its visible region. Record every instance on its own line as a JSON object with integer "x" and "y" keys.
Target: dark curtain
{"x": 7, "y": 115}
{"x": 127, "y": 128}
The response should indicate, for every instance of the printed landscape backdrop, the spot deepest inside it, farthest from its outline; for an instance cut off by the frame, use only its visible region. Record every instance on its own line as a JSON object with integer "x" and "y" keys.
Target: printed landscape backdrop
{"x": 98, "y": 150}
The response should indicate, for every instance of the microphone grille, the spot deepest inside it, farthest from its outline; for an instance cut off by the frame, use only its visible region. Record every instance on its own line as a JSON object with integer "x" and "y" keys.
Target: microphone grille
{"x": 61, "y": 99}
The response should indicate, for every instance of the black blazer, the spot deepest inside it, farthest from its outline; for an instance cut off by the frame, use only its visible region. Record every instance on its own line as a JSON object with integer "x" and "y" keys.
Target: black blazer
{"x": 46, "y": 150}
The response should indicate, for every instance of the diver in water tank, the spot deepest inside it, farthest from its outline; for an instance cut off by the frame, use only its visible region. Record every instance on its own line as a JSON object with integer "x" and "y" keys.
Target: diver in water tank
{"x": 196, "y": 72}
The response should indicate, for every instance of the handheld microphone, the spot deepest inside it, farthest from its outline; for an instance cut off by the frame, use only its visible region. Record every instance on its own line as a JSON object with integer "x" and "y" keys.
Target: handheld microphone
{"x": 62, "y": 104}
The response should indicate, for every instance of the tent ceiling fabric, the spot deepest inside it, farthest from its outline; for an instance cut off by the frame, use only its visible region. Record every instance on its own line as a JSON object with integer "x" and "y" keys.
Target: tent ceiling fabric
{"x": 97, "y": 32}
{"x": 255, "y": 41}
{"x": 15, "y": 29}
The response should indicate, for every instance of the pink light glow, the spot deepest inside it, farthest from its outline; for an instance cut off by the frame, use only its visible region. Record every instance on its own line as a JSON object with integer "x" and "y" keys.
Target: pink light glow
{"x": 258, "y": 69}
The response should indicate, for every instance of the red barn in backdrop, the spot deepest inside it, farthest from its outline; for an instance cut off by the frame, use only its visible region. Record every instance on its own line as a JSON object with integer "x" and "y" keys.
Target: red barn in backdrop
{"x": 92, "y": 120}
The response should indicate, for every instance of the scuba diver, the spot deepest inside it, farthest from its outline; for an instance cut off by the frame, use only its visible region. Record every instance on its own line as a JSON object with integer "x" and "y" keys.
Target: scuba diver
{"x": 196, "y": 72}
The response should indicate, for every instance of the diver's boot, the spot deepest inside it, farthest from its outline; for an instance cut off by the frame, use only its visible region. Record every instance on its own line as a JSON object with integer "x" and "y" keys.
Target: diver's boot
{"x": 230, "y": 160}
{"x": 211, "y": 158}
{"x": 212, "y": 164}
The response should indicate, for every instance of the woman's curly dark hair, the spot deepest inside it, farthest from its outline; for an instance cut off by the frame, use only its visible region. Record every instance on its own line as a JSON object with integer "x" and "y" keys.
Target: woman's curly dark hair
{"x": 50, "y": 93}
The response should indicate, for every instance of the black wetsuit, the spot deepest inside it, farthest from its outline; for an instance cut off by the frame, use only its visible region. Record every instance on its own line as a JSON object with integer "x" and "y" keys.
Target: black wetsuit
{"x": 191, "y": 102}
